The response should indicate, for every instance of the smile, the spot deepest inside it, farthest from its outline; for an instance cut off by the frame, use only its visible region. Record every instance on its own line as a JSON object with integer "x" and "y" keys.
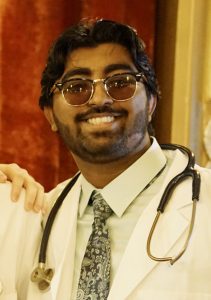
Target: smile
{"x": 100, "y": 120}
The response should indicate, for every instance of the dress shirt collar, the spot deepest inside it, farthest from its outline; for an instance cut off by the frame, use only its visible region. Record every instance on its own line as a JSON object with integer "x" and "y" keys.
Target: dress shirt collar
{"x": 128, "y": 184}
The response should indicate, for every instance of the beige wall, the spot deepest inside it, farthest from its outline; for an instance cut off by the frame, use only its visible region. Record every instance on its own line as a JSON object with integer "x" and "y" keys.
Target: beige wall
{"x": 183, "y": 64}
{"x": 191, "y": 61}
{"x": 206, "y": 84}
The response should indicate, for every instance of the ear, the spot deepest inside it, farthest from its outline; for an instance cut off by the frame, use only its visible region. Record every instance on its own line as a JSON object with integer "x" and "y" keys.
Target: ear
{"x": 48, "y": 112}
{"x": 151, "y": 107}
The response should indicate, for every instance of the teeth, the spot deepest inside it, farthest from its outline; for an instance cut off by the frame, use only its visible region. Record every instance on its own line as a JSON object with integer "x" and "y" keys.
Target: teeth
{"x": 96, "y": 121}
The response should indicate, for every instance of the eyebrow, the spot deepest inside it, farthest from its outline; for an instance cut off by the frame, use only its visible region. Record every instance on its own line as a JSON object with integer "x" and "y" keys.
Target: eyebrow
{"x": 114, "y": 67}
{"x": 77, "y": 71}
{"x": 87, "y": 71}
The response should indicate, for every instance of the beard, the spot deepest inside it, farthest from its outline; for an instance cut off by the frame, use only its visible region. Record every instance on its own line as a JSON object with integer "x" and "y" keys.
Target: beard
{"x": 118, "y": 145}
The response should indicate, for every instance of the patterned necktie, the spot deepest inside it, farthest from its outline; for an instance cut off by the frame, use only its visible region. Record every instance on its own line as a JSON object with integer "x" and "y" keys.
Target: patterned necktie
{"x": 95, "y": 271}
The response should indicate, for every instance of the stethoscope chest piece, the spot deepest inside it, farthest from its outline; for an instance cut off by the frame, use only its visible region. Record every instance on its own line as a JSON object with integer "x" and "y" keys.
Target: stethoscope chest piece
{"x": 42, "y": 277}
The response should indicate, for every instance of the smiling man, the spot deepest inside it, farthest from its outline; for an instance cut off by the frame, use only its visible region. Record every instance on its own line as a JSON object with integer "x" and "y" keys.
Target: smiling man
{"x": 94, "y": 115}
{"x": 99, "y": 93}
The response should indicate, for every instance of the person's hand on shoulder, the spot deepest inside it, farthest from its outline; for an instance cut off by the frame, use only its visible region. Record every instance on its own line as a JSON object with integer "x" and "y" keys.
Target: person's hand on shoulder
{"x": 20, "y": 178}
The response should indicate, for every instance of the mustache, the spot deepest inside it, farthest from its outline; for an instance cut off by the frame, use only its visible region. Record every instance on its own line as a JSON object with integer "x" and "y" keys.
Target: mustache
{"x": 99, "y": 110}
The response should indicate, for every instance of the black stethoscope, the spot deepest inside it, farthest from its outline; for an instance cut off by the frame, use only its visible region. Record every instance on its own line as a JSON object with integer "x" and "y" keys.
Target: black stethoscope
{"x": 43, "y": 276}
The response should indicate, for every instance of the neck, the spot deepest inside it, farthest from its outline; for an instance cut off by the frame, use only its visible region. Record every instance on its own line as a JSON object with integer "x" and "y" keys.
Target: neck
{"x": 99, "y": 175}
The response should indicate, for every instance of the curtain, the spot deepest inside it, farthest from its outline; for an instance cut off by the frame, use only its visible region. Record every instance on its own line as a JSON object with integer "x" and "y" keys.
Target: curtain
{"x": 27, "y": 29}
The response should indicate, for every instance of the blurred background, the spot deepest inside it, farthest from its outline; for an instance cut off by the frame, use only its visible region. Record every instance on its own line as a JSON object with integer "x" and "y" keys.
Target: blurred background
{"x": 177, "y": 37}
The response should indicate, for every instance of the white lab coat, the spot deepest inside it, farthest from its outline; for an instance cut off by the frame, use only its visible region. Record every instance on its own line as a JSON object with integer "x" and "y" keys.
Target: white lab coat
{"x": 20, "y": 233}
{"x": 138, "y": 277}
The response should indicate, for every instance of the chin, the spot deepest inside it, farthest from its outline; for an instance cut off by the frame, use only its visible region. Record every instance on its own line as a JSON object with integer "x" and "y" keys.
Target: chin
{"x": 101, "y": 154}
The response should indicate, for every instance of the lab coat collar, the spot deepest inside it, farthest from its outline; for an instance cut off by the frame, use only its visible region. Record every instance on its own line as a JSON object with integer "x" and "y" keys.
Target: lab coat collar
{"x": 135, "y": 264}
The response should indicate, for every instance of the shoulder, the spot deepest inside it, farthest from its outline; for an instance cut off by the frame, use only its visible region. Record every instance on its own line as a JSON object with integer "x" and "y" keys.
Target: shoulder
{"x": 54, "y": 193}
{"x": 52, "y": 196}
{"x": 14, "y": 212}
{"x": 204, "y": 171}
{"x": 16, "y": 223}
{"x": 205, "y": 181}
{"x": 5, "y": 197}
{"x": 5, "y": 189}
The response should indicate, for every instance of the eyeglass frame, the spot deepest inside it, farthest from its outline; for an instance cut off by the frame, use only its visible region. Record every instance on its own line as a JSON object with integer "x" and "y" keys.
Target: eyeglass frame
{"x": 59, "y": 85}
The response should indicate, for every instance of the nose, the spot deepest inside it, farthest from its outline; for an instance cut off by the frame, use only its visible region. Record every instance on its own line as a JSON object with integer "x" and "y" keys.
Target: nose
{"x": 100, "y": 96}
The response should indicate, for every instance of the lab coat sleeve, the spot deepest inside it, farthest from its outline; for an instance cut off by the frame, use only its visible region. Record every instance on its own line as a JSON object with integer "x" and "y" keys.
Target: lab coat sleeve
{"x": 20, "y": 233}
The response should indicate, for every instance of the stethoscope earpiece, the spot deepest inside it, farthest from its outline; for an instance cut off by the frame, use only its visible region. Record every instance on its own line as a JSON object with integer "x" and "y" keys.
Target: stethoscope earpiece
{"x": 42, "y": 277}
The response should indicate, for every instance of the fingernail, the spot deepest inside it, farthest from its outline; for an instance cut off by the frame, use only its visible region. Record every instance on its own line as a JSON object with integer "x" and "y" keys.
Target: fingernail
{"x": 28, "y": 207}
{"x": 14, "y": 198}
{"x": 36, "y": 208}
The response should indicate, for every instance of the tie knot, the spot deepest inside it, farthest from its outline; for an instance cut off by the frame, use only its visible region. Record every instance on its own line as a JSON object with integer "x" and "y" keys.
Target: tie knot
{"x": 100, "y": 207}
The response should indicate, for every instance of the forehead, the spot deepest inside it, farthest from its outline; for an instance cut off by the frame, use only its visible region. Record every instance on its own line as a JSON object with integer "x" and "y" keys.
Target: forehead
{"x": 99, "y": 57}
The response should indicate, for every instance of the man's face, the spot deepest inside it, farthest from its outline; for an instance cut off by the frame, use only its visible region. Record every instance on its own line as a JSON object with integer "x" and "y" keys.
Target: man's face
{"x": 103, "y": 130}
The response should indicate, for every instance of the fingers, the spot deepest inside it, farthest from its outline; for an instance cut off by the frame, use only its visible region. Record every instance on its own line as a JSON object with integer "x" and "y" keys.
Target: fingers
{"x": 3, "y": 177}
{"x": 19, "y": 177}
{"x": 45, "y": 207}
{"x": 34, "y": 199}
{"x": 34, "y": 195}
{"x": 15, "y": 174}
{"x": 17, "y": 185}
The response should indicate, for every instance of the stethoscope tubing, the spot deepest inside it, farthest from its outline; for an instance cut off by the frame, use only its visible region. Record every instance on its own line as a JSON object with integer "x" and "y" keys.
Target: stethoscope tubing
{"x": 43, "y": 276}
{"x": 189, "y": 171}
{"x": 51, "y": 218}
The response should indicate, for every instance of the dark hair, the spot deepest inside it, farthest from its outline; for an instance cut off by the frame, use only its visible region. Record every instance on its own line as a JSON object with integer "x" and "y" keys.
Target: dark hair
{"x": 91, "y": 33}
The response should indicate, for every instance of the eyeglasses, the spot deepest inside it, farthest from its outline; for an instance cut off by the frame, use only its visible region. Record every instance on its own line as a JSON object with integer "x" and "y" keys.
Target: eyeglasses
{"x": 79, "y": 91}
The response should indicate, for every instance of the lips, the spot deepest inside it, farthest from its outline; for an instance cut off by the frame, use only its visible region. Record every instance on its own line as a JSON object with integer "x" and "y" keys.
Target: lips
{"x": 100, "y": 120}
{"x": 100, "y": 115}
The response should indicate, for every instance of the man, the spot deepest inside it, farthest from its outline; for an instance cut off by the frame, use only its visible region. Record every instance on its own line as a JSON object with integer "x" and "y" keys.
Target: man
{"x": 99, "y": 92}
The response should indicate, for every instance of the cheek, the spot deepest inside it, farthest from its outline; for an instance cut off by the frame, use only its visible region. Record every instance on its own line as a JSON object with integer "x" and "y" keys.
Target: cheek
{"x": 64, "y": 113}
{"x": 137, "y": 105}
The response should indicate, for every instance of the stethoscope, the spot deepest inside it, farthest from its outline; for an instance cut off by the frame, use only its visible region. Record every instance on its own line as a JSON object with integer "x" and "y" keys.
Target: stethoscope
{"x": 43, "y": 276}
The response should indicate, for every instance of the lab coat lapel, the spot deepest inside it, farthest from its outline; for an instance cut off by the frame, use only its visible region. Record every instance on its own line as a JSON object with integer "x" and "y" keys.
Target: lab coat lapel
{"x": 136, "y": 264}
{"x": 62, "y": 244}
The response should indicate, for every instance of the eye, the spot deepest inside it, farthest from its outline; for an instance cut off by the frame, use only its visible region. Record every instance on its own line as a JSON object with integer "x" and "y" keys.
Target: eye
{"x": 76, "y": 86}
{"x": 120, "y": 82}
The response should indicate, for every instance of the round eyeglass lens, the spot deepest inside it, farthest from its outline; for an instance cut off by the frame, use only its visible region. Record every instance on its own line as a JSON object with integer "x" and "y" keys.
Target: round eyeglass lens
{"x": 121, "y": 87}
{"x": 77, "y": 92}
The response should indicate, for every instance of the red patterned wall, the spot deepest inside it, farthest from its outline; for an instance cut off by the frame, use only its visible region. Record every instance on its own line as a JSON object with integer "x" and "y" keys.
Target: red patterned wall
{"x": 28, "y": 28}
